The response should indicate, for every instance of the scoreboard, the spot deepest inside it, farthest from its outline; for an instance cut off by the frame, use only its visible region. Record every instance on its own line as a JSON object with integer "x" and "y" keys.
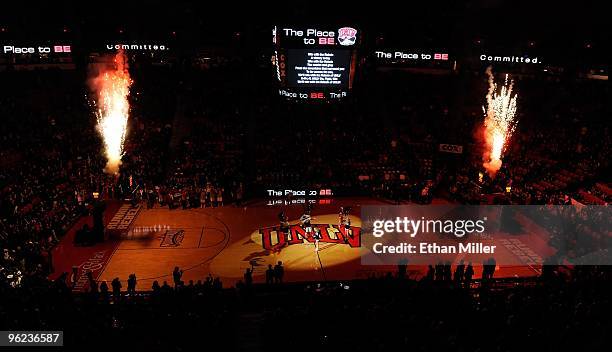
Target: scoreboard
{"x": 315, "y": 63}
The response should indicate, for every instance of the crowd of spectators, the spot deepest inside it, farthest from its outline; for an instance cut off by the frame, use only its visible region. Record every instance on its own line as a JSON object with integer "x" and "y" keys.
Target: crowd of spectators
{"x": 559, "y": 148}
{"x": 560, "y": 310}
{"x": 47, "y": 171}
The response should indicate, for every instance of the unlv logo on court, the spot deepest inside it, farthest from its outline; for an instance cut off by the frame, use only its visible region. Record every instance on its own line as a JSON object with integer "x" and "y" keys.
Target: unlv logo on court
{"x": 347, "y": 36}
{"x": 274, "y": 239}
{"x": 172, "y": 238}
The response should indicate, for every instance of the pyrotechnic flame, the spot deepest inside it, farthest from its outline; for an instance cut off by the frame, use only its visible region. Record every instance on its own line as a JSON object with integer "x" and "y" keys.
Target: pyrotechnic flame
{"x": 112, "y": 87}
{"x": 499, "y": 122}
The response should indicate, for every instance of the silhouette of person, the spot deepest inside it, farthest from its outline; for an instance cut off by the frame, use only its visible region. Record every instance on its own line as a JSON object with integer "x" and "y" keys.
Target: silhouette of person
{"x": 93, "y": 285}
{"x": 469, "y": 273}
{"x": 439, "y": 271}
{"x": 248, "y": 278}
{"x": 402, "y": 268}
{"x": 492, "y": 265}
{"x": 131, "y": 289}
{"x": 459, "y": 272}
{"x": 430, "y": 273}
{"x": 279, "y": 272}
{"x": 116, "y": 284}
{"x": 176, "y": 276}
{"x": 155, "y": 287}
{"x": 270, "y": 275}
{"x": 74, "y": 277}
{"x": 104, "y": 290}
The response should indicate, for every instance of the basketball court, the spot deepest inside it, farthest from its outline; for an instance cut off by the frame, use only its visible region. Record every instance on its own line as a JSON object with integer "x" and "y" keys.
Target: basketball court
{"x": 225, "y": 241}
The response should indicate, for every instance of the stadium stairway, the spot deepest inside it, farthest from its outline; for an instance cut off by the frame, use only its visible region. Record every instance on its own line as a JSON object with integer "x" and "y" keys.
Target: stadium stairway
{"x": 181, "y": 124}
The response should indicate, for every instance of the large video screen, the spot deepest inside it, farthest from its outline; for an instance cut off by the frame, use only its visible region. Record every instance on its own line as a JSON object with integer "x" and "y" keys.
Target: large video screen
{"x": 318, "y": 68}
{"x": 315, "y": 63}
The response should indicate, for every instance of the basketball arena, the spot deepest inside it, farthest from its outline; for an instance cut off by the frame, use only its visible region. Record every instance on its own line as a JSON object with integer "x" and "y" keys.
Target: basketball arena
{"x": 305, "y": 176}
